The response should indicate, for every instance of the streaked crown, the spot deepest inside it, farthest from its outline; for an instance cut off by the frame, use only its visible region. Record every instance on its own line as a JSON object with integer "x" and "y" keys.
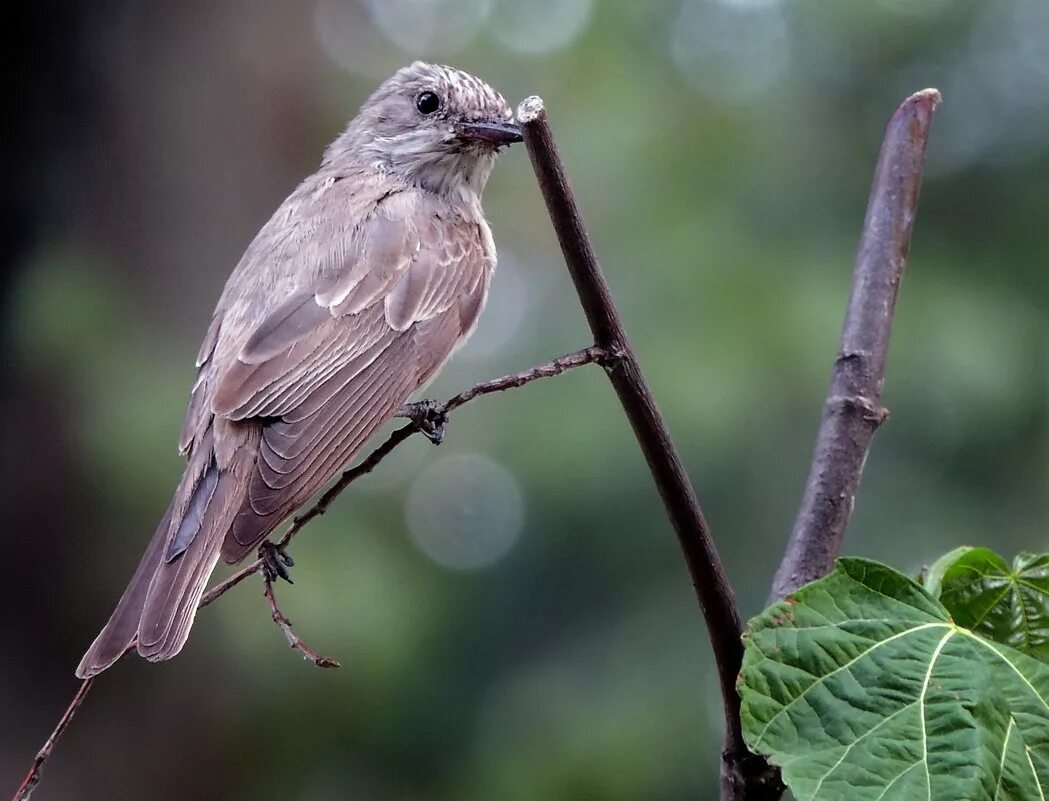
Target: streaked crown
{"x": 414, "y": 124}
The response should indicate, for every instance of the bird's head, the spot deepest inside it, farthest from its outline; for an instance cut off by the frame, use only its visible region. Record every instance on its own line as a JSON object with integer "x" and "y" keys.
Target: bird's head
{"x": 434, "y": 126}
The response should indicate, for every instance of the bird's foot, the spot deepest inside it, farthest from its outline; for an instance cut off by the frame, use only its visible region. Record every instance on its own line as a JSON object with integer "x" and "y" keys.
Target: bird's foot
{"x": 275, "y": 562}
{"x": 428, "y": 416}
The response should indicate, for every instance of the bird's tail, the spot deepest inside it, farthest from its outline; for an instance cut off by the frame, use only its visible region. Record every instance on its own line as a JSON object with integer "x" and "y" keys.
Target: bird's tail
{"x": 122, "y": 628}
{"x": 158, "y": 606}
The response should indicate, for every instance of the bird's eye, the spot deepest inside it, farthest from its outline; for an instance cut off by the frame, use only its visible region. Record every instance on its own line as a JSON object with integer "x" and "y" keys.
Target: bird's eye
{"x": 427, "y": 102}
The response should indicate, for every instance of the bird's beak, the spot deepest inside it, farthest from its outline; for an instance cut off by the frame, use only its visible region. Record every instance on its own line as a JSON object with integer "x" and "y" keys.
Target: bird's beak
{"x": 492, "y": 133}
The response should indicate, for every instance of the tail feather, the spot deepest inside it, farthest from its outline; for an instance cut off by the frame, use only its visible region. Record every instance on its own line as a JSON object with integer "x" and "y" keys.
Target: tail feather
{"x": 159, "y": 605}
{"x": 119, "y": 633}
{"x": 193, "y": 516}
{"x": 177, "y": 586}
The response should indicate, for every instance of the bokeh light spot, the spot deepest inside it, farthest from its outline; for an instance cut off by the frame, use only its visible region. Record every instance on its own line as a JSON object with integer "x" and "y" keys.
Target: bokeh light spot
{"x": 734, "y": 52}
{"x": 430, "y": 26}
{"x": 465, "y": 512}
{"x": 915, "y": 7}
{"x": 348, "y": 37}
{"x": 541, "y": 26}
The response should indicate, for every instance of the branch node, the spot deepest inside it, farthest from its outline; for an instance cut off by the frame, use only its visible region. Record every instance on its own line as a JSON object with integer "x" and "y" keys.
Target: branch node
{"x": 857, "y": 357}
{"x": 870, "y": 411}
{"x": 611, "y": 358}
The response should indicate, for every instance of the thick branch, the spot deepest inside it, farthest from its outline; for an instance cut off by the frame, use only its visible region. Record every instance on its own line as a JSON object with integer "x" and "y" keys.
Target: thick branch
{"x": 853, "y": 410}
{"x": 701, "y": 557}
{"x": 591, "y": 355}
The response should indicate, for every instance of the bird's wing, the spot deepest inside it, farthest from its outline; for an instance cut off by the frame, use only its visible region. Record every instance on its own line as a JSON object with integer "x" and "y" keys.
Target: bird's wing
{"x": 334, "y": 361}
{"x": 198, "y": 413}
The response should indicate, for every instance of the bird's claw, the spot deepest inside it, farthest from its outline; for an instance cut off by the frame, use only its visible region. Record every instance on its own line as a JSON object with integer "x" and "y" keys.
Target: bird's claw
{"x": 275, "y": 562}
{"x": 428, "y": 417}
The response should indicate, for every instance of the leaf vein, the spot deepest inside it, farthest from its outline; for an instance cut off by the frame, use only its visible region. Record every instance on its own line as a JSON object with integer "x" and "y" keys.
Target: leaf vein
{"x": 1005, "y": 750}
{"x": 921, "y": 707}
{"x": 840, "y": 668}
{"x": 990, "y": 606}
{"x": 1034, "y": 773}
{"x": 1000, "y": 655}
{"x": 851, "y": 745}
{"x": 898, "y": 776}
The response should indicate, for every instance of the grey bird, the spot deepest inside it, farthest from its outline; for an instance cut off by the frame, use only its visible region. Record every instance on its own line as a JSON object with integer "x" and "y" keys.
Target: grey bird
{"x": 349, "y": 299}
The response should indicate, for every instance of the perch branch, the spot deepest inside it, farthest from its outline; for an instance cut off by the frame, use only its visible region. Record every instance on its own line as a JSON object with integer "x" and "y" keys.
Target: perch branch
{"x": 853, "y": 411}
{"x": 581, "y": 358}
{"x": 701, "y": 556}
{"x": 592, "y": 355}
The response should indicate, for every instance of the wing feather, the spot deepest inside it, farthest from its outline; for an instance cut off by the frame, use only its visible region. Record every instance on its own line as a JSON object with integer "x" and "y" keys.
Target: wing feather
{"x": 290, "y": 440}
{"x": 383, "y": 248}
{"x": 331, "y": 364}
{"x": 274, "y": 491}
{"x": 273, "y": 388}
{"x": 286, "y": 327}
{"x": 198, "y": 412}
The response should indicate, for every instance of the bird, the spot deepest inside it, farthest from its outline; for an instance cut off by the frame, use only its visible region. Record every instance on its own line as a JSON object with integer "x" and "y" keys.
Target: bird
{"x": 349, "y": 299}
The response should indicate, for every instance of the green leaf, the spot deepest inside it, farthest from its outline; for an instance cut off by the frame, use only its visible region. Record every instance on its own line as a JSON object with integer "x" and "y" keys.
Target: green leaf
{"x": 932, "y": 577}
{"x": 1007, "y": 605}
{"x": 862, "y": 688}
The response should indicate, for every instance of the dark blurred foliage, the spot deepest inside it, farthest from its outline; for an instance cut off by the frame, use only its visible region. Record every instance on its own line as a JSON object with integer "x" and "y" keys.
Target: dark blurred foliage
{"x": 543, "y": 642}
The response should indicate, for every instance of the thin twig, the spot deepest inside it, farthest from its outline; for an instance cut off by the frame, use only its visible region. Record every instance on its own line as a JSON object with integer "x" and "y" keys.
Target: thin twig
{"x": 294, "y": 641}
{"x": 581, "y": 358}
{"x": 701, "y": 556}
{"x": 593, "y": 354}
{"x": 853, "y": 410}
{"x": 33, "y": 777}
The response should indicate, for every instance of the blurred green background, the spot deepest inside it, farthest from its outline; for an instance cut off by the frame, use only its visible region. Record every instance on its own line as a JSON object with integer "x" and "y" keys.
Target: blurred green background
{"x": 542, "y": 642}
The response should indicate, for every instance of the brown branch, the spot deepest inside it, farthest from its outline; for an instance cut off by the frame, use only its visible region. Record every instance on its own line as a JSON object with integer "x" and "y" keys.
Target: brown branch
{"x": 591, "y": 355}
{"x": 853, "y": 410}
{"x": 294, "y": 641}
{"x": 33, "y": 777}
{"x": 701, "y": 556}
